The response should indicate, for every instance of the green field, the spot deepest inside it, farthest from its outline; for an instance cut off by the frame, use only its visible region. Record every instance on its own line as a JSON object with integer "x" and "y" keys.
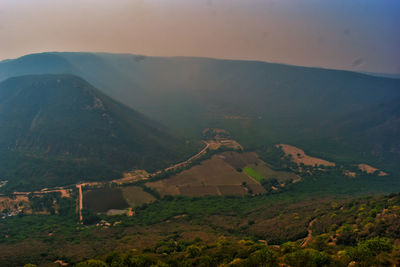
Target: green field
{"x": 262, "y": 171}
{"x": 135, "y": 196}
{"x": 253, "y": 173}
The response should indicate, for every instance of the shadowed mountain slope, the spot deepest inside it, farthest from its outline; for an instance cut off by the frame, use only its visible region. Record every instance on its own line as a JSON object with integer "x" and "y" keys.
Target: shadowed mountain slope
{"x": 59, "y": 129}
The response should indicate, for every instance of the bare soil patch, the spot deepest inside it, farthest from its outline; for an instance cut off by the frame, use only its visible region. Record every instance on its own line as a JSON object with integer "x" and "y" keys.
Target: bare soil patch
{"x": 132, "y": 176}
{"x": 298, "y": 156}
{"x": 369, "y": 169}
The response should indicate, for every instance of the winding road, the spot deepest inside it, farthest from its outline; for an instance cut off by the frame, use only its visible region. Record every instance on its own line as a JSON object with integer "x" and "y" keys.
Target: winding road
{"x": 309, "y": 236}
{"x": 177, "y": 165}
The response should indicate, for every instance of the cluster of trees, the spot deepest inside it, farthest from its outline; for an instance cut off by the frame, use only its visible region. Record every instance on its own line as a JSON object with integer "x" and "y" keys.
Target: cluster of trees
{"x": 363, "y": 232}
{"x": 44, "y": 202}
{"x": 247, "y": 253}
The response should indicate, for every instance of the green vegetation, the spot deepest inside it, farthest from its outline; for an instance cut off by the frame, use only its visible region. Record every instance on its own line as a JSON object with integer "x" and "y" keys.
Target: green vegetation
{"x": 246, "y": 253}
{"x": 261, "y": 171}
{"x": 136, "y": 196}
{"x": 20, "y": 227}
{"x": 364, "y": 231}
{"x": 281, "y": 176}
{"x": 359, "y": 228}
{"x": 67, "y": 131}
{"x": 253, "y": 173}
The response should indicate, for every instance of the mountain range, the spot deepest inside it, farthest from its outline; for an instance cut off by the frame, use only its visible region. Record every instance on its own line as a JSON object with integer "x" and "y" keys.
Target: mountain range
{"x": 343, "y": 116}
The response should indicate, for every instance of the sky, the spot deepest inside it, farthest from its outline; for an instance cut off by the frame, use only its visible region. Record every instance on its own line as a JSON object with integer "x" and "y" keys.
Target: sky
{"x": 360, "y": 35}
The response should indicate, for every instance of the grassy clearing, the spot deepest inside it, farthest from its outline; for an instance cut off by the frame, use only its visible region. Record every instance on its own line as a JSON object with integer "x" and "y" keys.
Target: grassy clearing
{"x": 135, "y": 196}
{"x": 265, "y": 171}
{"x": 262, "y": 171}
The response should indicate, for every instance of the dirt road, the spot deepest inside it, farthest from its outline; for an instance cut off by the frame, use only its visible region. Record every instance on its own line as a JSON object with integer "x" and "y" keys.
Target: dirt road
{"x": 203, "y": 151}
{"x": 309, "y": 236}
{"x": 79, "y": 186}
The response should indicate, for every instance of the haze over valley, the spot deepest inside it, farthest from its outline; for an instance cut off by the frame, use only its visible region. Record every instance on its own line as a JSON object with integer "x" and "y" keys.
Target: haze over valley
{"x": 196, "y": 153}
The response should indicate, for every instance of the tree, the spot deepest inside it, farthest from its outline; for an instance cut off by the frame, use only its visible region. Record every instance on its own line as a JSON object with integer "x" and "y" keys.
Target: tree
{"x": 92, "y": 263}
{"x": 307, "y": 258}
{"x": 193, "y": 251}
{"x": 263, "y": 257}
{"x": 367, "y": 251}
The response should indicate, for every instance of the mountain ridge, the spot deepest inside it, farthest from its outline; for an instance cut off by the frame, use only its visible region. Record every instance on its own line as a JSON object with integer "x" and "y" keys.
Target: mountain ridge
{"x": 325, "y": 111}
{"x": 62, "y": 118}
{"x": 394, "y": 76}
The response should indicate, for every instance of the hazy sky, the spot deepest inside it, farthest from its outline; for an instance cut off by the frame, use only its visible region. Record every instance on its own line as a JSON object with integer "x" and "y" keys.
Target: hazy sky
{"x": 343, "y": 34}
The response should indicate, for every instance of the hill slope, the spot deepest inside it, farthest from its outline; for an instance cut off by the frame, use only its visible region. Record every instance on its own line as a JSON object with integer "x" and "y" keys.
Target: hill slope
{"x": 338, "y": 114}
{"x": 58, "y": 129}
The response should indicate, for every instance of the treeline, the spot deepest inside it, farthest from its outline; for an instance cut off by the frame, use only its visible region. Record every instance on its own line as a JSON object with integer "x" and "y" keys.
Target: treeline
{"x": 247, "y": 253}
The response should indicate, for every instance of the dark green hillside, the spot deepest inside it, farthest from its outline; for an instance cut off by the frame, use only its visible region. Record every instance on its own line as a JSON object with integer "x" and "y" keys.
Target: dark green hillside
{"x": 35, "y": 64}
{"x": 342, "y": 115}
{"x": 58, "y": 129}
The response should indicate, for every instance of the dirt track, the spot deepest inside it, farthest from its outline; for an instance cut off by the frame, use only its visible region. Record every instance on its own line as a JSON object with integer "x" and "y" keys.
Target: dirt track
{"x": 186, "y": 161}
{"x": 79, "y": 186}
{"x": 309, "y": 236}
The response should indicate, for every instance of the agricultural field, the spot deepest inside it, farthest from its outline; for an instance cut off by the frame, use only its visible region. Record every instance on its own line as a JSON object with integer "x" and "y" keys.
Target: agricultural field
{"x": 253, "y": 173}
{"x": 261, "y": 171}
{"x": 135, "y": 196}
{"x": 239, "y": 160}
{"x": 257, "y": 169}
{"x": 216, "y": 176}
{"x": 111, "y": 200}
{"x": 104, "y": 199}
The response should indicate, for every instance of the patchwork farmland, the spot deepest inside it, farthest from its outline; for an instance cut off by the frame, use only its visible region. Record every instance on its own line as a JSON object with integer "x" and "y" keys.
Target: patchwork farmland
{"x": 104, "y": 199}
{"x": 215, "y": 176}
{"x": 229, "y": 173}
